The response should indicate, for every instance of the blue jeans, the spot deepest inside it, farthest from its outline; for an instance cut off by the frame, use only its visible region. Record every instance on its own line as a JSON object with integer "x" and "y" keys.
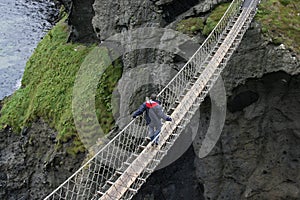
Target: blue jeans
{"x": 153, "y": 132}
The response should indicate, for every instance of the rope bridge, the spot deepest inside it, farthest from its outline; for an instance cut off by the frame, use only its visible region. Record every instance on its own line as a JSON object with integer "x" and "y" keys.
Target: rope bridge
{"x": 120, "y": 168}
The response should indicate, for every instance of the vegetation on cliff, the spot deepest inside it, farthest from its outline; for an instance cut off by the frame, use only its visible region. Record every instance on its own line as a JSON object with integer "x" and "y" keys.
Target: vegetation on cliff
{"x": 193, "y": 25}
{"x": 47, "y": 87}
{"x": 50, "y": 73}
{"x": 214, "y": 18}
{"x": 280, "y": 21}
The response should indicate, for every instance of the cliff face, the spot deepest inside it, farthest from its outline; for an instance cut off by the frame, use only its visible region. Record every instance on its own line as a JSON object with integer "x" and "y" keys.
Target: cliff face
{"x": 91, "y": 18}
{"x": 80, "y": 17}
{"x": 257, "y": 155}
{"x": 30, "y": 165}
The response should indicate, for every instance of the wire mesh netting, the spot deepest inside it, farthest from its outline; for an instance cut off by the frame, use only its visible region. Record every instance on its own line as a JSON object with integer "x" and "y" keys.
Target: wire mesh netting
{"x": 101, "y": 172}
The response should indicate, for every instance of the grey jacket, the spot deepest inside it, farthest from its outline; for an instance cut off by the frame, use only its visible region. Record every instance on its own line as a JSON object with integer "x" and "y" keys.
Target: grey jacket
{"x": 154, "y": 113}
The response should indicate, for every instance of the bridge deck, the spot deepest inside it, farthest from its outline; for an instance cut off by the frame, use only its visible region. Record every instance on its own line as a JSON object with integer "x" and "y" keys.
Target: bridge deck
{"x": 115, "y": 171}
{"x": 124, "y": 182}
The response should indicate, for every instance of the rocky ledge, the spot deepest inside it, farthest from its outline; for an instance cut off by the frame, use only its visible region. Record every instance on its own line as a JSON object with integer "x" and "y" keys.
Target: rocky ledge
{"x": 257, "y": 155}
{"x": 30, "y": 164}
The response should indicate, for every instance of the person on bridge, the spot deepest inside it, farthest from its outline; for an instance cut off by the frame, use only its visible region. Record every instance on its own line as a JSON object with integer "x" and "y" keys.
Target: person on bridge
{"x": 154, "y": 114}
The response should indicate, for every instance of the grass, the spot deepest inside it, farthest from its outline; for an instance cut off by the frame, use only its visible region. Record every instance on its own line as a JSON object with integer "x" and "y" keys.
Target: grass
{"x": 194, "y": 25}
{"x": 47, "y": 87}
{"x": 190, "y": 26}
{"x": 280, "y": 21}
{"x": 48, "y": 80}
{"x": 214, "y": 18}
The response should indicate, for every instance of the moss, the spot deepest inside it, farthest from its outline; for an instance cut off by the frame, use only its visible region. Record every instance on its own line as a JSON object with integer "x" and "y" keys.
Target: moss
{"x": 280, "y": 21}
{"x": 193, "y": 25}
{"x": 47, "y": 87}
{"x": 214, "y": 18}
{"x": 285, "y": 2}
{"x": 75, "y": 147}
{"x": 190, "y": 26}
{"x": 104, "y": 93}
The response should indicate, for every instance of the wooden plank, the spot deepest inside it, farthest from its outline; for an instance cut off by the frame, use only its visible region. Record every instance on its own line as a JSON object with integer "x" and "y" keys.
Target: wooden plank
{"x": 123, "y": 183}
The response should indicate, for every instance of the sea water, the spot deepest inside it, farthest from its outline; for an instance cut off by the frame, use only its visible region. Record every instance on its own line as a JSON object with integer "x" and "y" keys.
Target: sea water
{"x": 23, "y": 23}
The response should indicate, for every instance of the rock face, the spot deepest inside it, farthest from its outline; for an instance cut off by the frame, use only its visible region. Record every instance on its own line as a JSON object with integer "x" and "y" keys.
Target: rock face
{"x": 66, "y": 4}
{"x": 257, "y": 155}
{"x": 80, "y": 20}
{"x": 114, "y": 16}
{"x": 30, "y": 167}
{"x": 96, "y": 20}
{"x": 176, "y": 182}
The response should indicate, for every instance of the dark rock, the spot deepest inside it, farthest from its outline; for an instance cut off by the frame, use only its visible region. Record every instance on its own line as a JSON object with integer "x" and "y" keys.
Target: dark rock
{"x": 80, "y": 21}
{"x": 112, "y": 17}
{"x": 169, "y": 191}
{"x": 67, "y": 4}
{"x": 257, "y": 156}
{"x": 259, "y": 142}
{"x": 24, "y": 131}
{"x": 172, "y": 9}
{"x": 242, "y": 100}
{"x": 258, "y": 120}
{"x": 175, "y": 182}
{"x": 53, "y": 138}
{"x": 30, "y": 165}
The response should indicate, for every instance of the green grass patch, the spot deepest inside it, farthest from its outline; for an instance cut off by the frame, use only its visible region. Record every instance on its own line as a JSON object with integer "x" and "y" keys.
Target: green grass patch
{"x": 285, "y": 2}
{"x": 190, "y": 26}
{"x": 194, "y": 25}
{"x": 214, "y": 18}
{"x": 280, "y": 21}
{"x": 104, "y": 92}
{"x": 47, "y": 88}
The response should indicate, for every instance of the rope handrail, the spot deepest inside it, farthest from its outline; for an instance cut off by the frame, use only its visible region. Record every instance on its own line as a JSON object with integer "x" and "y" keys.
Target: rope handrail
{"x": 126, "y": 183}
{"x": 201, "y": 47}
{"x": 99, "y": 169}
{"x": 207, "y": 45}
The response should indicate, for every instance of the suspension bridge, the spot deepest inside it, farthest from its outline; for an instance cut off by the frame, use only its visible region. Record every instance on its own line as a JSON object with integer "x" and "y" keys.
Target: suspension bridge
{"x": 123, "y": 165}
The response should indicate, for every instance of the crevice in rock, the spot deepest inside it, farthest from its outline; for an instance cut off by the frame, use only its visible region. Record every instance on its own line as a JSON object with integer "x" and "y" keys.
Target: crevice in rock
{"x": 174, "y": 8}
{"x": 259, "y": 147}
{"x": 30, "y": 167}
{"x": 241, "y": 100}
{"x": 174, "y": 182}
{"x": 80, "y": 22}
